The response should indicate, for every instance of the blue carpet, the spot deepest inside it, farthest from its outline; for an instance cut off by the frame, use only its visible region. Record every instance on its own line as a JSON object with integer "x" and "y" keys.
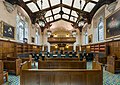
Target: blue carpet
{"x": 108, "y": 78}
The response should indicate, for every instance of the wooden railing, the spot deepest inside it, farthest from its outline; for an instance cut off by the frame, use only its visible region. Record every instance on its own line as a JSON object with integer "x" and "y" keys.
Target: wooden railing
{"x": 61, "y": 39}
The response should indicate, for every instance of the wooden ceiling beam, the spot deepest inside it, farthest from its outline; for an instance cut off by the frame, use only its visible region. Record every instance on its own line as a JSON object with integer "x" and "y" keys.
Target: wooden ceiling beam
{"x": 55, "y": 20}
{"x": 61, "y": 7}
{"x": 71, "y": 9}
{"x": 68, "y": 20}
{"x": 65, "y": 6}
{"x": 93, "y": 2}
{"x": 51, "y": 9}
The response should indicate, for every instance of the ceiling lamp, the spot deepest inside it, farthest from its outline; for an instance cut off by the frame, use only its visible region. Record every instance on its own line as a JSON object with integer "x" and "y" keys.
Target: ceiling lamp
{"x": 41, "y": 20}
{"x": 41, "y": 23}
{"x": 81, "y": 23}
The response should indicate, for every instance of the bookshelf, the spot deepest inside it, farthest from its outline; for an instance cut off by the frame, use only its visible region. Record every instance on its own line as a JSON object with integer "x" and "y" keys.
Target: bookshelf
{"x": 23, "y": 48}
{"x": 99, "y": 50}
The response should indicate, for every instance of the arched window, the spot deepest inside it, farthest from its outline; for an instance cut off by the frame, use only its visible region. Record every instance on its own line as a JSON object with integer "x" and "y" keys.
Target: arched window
{"x": 21, "y": 29}
{"x": 86, "y": 37}
{"x": 101, "y": 29}
{"x": 37, "y": 36}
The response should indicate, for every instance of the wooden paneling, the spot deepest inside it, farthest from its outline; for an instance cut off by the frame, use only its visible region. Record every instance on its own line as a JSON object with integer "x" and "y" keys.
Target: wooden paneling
{"x": 52, "y": 48}
{"x": 61, "y": 64}
{"x": 7, "y": 49}
{"x": 1, "y": 72}
{"x": 114, "y": 48}
{"x": 61, "y": 39}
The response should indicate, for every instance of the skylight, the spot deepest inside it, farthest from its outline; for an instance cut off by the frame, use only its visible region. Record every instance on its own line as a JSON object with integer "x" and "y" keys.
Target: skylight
{"x": 65, "y": 10}
{"x": 57, "y": 10}
{"x": 73, "y": 19}
{"x": 48, "y": 13}
{"x": 45, "y": 4}
{"x": 74, "y": 14}
{"x": 54, "y": 2}
{"x": 77, "y": 4}
{"x": 32, "y": 7}
{"x": 89, "y": 7}
{"x": 49, "y": 19}
{"x": 65, "y": 16}
{"x": 26, "y": 0}
{"x": 57, "y": 16}
{"x": 67, "y": 2}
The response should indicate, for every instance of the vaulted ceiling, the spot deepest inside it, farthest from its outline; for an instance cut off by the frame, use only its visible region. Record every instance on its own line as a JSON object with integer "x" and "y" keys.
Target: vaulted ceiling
{"x": 72, "y": 11}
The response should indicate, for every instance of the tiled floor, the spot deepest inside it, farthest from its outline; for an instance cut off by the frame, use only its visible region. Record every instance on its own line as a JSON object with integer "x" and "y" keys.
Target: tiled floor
{"x": 108, "y": 78}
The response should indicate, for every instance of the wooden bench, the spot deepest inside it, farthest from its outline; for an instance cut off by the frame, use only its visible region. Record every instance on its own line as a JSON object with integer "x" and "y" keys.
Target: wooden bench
{"x": 1, "y": 72}
{"x": 113, "y": 64}
{"x": 62, "y": 76}
{"x": 12, "y": 65}
{"x": 61, "y": 64}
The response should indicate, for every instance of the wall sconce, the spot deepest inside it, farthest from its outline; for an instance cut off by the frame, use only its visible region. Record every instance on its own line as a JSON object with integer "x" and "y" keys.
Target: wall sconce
{"x": 56, "y": 46}
{"x": 67, "y": 46}
{"x": 55, "y": 35}
{"x": 67, "y": 35}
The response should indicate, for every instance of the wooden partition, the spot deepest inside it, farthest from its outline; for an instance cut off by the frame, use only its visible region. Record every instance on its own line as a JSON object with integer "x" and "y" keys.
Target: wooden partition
{"x": 61, "y": 64}
{"x": 62, "y": 77}
{"x": 1, "y": 72}
{"x": 113, "y": 64}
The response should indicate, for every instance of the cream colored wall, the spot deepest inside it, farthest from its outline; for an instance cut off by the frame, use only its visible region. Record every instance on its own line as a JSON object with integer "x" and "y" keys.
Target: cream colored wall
{"x": 100, "y": 12}
{"x": 10, "y": 18}
{"x": 7, "y": 17}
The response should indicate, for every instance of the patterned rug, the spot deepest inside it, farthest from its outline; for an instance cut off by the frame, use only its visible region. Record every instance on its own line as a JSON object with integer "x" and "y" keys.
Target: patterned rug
{"x": 108, "y": 78}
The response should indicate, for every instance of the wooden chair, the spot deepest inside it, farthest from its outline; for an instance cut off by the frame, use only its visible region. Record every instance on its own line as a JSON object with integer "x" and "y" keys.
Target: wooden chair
{"x": 13, "y": 65}
{"x": 113, "y": 64}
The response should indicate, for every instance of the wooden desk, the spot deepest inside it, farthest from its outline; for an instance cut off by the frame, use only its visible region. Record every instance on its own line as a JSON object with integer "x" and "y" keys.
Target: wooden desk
{"x": 62, "y": 76}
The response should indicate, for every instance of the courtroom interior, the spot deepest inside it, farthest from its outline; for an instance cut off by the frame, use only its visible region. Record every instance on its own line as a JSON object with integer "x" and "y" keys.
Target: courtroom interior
{"x": 59, "y": 42}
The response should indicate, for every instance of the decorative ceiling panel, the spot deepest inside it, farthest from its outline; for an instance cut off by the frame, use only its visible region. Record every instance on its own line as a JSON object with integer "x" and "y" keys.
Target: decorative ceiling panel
{"x": 32, "y": 7}
{"x": 45, "y": 4}
{"x": 89, "y": 7}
